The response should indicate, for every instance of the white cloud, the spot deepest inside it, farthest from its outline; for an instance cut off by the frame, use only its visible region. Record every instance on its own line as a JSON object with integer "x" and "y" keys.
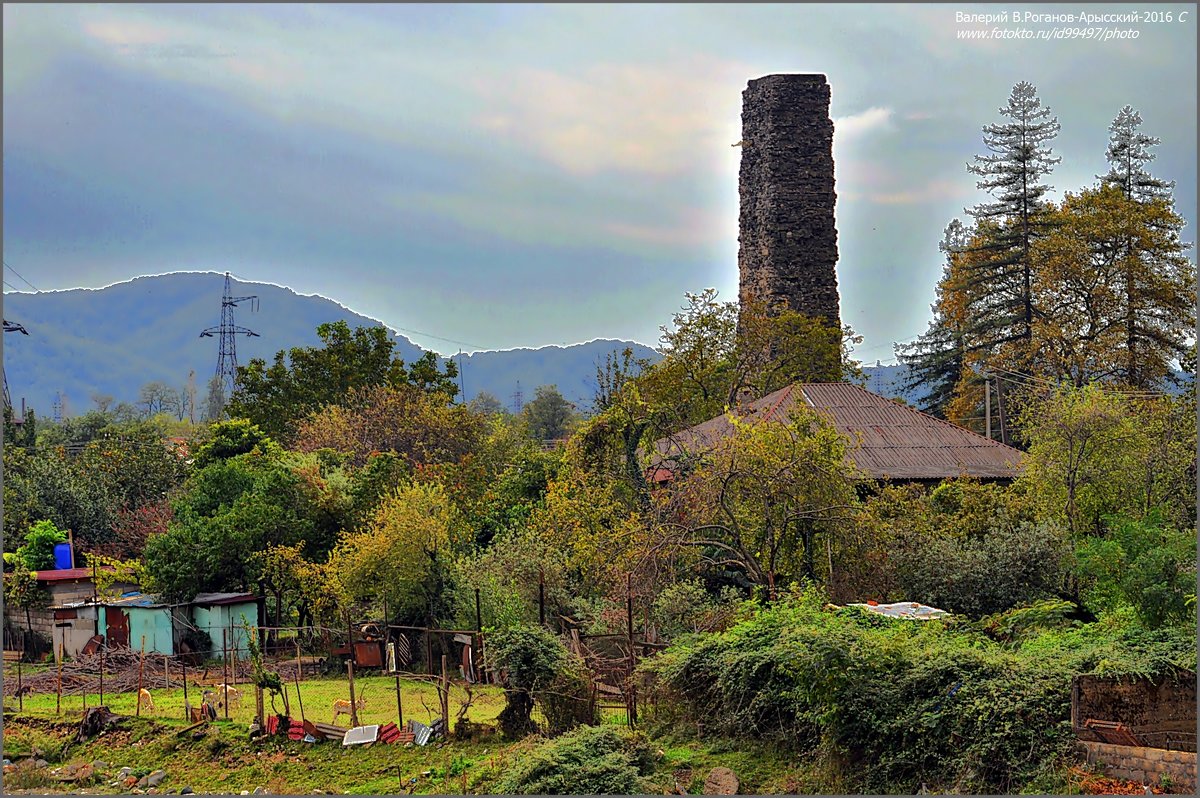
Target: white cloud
{"x": 657, "y": 119}
{"x": 855, "y": 125}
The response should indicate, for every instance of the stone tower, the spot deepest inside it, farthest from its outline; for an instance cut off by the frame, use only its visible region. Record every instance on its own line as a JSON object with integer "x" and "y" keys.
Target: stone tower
{"x": 788, "y": 242}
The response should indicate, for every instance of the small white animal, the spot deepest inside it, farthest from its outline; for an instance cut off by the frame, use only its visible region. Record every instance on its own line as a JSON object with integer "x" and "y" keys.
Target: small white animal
{"x": 228, "y": 695}
{"x": 144, "y": 699}
{"x": 342, "y": 707}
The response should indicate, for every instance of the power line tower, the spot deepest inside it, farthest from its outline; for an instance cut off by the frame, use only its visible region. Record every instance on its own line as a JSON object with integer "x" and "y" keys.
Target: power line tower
{"x": 227, "y": 364}
{"x": 11, "y": 326}
{"x": 57, "y": 407}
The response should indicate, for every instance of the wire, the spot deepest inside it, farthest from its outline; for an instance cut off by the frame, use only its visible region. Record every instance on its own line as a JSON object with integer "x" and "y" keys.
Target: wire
{"x": 14, "y": 271}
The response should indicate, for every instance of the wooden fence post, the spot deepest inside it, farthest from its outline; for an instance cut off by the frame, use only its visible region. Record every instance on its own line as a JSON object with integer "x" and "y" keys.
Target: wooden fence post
{"x": 20, "y": 692}
{"x": 299, "y": 698}
{"x": 225, "y": 668}
{"x": 167, "y": 670}
{"x": 353, "y": 706}
{"x": 479, "y": 673}
{"x": 399, "y": 706}
{"x": 444, "y": 697}
{"x": 632, "y": 700}
{"x": 102, "y": 657}
{"x": 186, "y": 716}
{"x": 58, "y": 702}
{"x": 141, "y": 674}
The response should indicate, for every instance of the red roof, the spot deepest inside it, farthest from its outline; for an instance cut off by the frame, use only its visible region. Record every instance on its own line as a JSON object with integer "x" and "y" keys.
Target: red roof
{"x": 67, "y": 574}
{"x": 889, "y": 440}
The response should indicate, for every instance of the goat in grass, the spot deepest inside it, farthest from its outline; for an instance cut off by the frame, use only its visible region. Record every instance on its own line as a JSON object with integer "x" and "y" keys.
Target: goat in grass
{"x": 342, "y": 707}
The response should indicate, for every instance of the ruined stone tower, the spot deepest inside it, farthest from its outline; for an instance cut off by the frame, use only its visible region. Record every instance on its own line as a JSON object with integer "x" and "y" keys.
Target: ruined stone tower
{"x": 788, "y": 242}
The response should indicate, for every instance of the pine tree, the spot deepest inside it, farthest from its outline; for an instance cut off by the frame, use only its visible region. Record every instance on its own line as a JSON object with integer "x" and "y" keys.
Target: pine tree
{"x": 935, "y": 360}
{"x": 1128, "y": 153}
{"x": 1019, "y": 159}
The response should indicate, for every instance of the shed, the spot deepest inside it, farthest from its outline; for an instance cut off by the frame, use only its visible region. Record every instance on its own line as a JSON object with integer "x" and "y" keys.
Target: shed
{"x": 129, "y": 619}
{"x": 228, "y": 613}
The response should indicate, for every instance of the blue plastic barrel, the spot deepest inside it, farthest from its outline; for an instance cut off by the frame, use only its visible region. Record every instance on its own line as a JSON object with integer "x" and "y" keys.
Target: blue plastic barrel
{"x": 62, "y": 555}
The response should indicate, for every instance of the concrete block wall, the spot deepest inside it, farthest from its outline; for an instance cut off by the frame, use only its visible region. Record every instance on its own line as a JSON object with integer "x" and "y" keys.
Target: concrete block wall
{"x": 1145, "y": 765}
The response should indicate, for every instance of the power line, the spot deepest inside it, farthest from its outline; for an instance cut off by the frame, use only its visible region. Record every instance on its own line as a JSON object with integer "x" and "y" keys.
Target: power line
{"x": 14, "y": 271}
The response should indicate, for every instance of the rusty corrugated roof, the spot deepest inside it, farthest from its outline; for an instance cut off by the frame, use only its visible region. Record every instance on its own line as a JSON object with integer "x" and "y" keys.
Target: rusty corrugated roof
{"x": 890, "y": 440}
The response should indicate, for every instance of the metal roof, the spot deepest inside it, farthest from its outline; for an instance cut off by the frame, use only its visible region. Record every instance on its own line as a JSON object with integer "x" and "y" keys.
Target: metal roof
{"x": 223, "y": 598}
{"x": 889, "y": 440}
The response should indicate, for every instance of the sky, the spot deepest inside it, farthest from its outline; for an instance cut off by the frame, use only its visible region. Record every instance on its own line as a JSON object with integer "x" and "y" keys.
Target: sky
{"x": 499, "y": 176}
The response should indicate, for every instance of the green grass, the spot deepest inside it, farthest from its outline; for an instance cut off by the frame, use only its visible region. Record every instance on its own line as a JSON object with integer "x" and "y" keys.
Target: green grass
{"x": 224, "y": 759}
{"x": 418, "y": 699}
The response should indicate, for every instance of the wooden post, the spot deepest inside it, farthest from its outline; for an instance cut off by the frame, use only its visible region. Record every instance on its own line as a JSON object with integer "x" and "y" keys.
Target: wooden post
{"x": 479, "y": 674}
{"x": 95, "y": 602}
{"x": 102, "y": 658}
{"x": 141, "y": 673}
{"x": 21, "y": 693}
{"x": 299, "y": 698}
{"x": 542, "y": 596}
{"x": 444, "y": 697}
{"x": 225, "y": 667}
{"x": 58, "y": 701}
{"x": 183, "y": 665}
{"x": 429, "y": 651}
{"x": 167, "y": 670}
{"x": 399, "y": 706}
{"x": 987, "y": 404}
{"x": 350, "y": 637}
{"x": 353, "y": 706}
{"x": 258, "y": 705}
{"x": 71, "y": 546}
{"x": 632, "y": 653}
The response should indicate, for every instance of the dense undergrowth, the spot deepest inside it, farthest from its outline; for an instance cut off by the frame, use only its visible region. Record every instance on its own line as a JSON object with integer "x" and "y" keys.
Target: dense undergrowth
{"x": 973, "y": 707}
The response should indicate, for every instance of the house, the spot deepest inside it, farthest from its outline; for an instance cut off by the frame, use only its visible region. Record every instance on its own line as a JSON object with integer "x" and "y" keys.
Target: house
{"x": 890, "y": 441}
{"x": 61, "y": 620}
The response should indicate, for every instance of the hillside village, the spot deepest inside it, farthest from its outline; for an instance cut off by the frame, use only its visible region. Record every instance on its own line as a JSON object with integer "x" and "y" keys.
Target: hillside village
{"x": 739, "y": 570}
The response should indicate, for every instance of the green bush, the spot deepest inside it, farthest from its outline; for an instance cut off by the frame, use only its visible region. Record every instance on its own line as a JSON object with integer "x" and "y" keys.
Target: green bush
{"x": 40, "y": 540}
{"x": 1145, "y": 565}
{"x": 529, "y": 659}
{"x": 594, "y": 760}
{"x": 982, "y": 574}
{"x": 568, "y": 702}
{"x": 904, "y": 702}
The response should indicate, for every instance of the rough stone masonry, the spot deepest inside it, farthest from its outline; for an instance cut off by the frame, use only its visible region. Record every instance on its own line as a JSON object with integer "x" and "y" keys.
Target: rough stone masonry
{"x": 788, "y": 242}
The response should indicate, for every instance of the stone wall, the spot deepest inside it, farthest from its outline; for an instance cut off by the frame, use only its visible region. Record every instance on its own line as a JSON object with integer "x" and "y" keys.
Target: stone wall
{"x": 788, "y": 241}
{"x": 1151, "y": 709}
{"x": 1155, "y": 766}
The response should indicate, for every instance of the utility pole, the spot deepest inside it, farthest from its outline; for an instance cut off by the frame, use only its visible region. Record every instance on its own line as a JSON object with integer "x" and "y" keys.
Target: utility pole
{"x": 228, "y": 331}
{"x": 987, "y": 403}
{"x": 1000, "y": 407}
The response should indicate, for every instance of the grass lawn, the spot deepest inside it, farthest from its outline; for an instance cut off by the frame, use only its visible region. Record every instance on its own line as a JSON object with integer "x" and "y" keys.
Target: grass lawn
{"x": 221, "y": 757}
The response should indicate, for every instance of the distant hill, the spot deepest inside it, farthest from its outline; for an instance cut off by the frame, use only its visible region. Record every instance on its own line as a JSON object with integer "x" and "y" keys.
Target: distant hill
{"x": 114, "y": 340}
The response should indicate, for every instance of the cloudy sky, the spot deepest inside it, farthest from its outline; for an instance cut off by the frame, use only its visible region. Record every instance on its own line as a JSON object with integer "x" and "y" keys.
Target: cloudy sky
{"x": 519, "y": 175}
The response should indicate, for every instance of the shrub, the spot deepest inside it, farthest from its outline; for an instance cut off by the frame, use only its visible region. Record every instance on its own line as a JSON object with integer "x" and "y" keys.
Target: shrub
{"x": 1145, "y": 565}
{"x": 595, "y": 760}
{"x": 529, "y": 659}
{"x": 40, "y": 540}
{"x": 904, "y": 702}
{"x": 568, "y": 702}
{"x": 979, "y": 575}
